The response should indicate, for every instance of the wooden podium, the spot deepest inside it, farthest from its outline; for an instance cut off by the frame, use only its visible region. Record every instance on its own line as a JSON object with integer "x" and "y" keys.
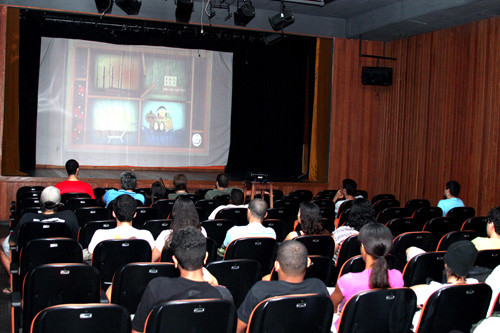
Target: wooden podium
{"x": 262, "y": 187}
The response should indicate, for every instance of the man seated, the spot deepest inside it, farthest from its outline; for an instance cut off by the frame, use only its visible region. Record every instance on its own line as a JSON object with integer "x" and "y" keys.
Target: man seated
{"x": 73, "y": 184}
{"x": 180, "y": 184}
{"x": 235, "y": 201}
{"x": 220, "y": 187}
{"x": 257, "y": 211}
{"x": 451, "y": 200}
{"x": 124, "y": 212}
{"x": 492, "y": 242}
{"x": 129, "y": 182}
{"x": 348, "y": 191}
{"x": 291, "y": 263}
{"x": 189, "y": 248}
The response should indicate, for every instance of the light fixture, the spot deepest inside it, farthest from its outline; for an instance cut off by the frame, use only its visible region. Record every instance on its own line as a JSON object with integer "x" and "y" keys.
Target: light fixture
{"x": 282, "y": 20}
{"x": 104, "y": 6}
{"x": 183, "y": 10}
{"x": 244, "y": 14}
{"x": 131, "y": 7}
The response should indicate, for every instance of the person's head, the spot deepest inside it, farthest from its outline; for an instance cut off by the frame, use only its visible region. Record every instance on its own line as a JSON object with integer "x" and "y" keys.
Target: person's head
{"x": 189, "y": 247}
{"x": 493, "y": 224}
{"x": 459, "y": 259}
{"x": 291, "y": 258}
{"x": 222, "y": 180}
{"x": 258, "y": 209}
{"x": 158, "y": 191}
{"x": 128, "y": 180}
{"x": 72, "y": 167}
{"x": 237, "y": 197}
{"x": 310, "y": 218}
{"x": 376, "y": 242}
{"x": 361, "y": 213}
{"x": 350, "y": 187}
{"x": 124, "y": 208}
{"x": 180, "y": 182}
{"x": 50, "y": 198}
{"x": 453, "y": 187}
{"x": 184, "y": 214}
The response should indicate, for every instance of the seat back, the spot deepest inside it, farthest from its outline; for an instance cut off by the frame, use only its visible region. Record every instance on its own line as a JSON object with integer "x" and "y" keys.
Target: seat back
{"x": 387, "y": 310}
{"x": 440, "y": 226}
{"x": 385, "y": 203}
{"x": 421, "y": 239}
{"x": 455, "y": 307}
{"x": 54, "y": 284}
{"x": 238, "y": 215}
{"x": 110, "y": 255}
{"x": 390, "y": 213}
{"x": 131, "y": 280}
{"x": 164, "y": 207}
{"x": 424, "y": 214}
{"x": 155, "y": 227}
{"x": 207, "y": 204}
{"x": 35, "y": 230}
{"x": 143, "y": 214}
{"x": 82, "y": 318}
{"x": 422, "y": 267}
{"x": 478, "y": 224}
{"x": 205, "y": 315}
{"x": 237, "y": 275}
{"x": 349, "y": 248}
{"x": 343, "y": 216}
{"x": 24, "y": 189}
{"x": 75, "y": 203}
{"x": 324, "y": 203}
{"x": 344, "y": 206}
{"x": 488, "y": 258}
{"x": 403, "y": 224}
{"x": 322, "y": 245}
{"x": 88, "y": 214}
{"x": 87, "y": 231}
{"x": 302, "y": 195}
{"x": 66, "y": 196}
{"x": 414, "y": 204}
{"x": 386, "y": 196}
{"x": 322, "y": 268}
{"x": 217, "y": 229}
{"x": 290, "y": 203}
{"x": 262, "y": 249}
{"x": 461, "y": 213}
{"x": 296, "y": 313}
{"x": 454, "y": 236}
{"x": 281, "y": 227}
{"x": 280, "y": 213}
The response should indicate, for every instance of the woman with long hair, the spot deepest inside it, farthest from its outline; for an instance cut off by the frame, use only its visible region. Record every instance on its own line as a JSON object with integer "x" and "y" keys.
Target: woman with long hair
{"x": 309, "y": 217}
{"x": 158, "y": 191}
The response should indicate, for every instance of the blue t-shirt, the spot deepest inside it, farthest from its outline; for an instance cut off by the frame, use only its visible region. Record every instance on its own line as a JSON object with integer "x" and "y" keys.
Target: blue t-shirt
{"x": 111, "y": 195}
{"x": 447, "y": 204}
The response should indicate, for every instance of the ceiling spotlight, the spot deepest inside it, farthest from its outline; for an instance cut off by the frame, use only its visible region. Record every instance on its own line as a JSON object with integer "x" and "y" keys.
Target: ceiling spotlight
{"x": 283, "y": 19}
{"x": 183, "y": 10}
{"x": 131, "y": 7}
{"x": 244, "y": 14}
{"x": 104, "y": 6}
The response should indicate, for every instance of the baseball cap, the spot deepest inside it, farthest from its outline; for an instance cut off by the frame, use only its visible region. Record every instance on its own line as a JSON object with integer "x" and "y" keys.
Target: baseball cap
{"x": 50, "y": 197}
{"x": 460, "y": 257}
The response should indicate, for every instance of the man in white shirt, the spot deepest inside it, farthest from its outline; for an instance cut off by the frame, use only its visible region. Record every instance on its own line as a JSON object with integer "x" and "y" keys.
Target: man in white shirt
{"x": 124, "y": 212}
{"x": 235, "y": 201}
{"x": 257, "y": 211}
{"x": 348, "y": 191}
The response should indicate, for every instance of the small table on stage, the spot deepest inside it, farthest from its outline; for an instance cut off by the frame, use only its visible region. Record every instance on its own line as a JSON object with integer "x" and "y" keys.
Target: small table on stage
{"x": 263, "y": 187}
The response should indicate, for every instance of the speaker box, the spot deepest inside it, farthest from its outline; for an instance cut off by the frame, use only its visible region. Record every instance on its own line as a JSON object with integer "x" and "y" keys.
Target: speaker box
{"x": 376, "y": 76}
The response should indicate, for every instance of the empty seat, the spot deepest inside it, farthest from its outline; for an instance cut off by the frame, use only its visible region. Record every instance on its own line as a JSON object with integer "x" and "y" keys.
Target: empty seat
{"x": 422, "y": 267}
{"x": 426, "y": 213}
{"x": 461, "y": 213}
{"x": 414, "y": 204}
{"x": 478, "y": 224}
{"x": 385, "y": 203}
{"x": 454, "y": 236}
{"x": 391, "y": 213}
{"x": 403, "y": 224}
{"x": 378, "y": 197}
{"x": 302, "y": 195}
{"x": 262, "y": 249}
{"x": 488, "y": 258}
{"x": 440, "y": 226}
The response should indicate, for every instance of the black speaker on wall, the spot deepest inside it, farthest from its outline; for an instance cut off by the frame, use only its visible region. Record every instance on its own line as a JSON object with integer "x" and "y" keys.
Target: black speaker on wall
{"x": 376, "y": 76}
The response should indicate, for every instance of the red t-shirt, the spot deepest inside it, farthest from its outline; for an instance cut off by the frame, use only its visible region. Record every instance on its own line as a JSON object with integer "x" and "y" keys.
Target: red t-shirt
{"x": 75, "y": 186}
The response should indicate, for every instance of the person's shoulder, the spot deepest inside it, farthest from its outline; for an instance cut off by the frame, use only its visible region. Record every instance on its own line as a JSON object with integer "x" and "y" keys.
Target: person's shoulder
{"x": 225, "y": 293}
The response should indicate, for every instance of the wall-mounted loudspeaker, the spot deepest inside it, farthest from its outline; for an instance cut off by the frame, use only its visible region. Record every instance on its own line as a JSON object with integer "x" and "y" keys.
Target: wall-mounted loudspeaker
{"x": 376, "y": 76}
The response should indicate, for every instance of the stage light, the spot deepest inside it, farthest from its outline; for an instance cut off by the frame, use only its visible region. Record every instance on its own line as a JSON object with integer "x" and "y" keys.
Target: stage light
{"x": 183, "y": 10}
{"x": 131, "y": 7}
{"x": 282, "y": 20}
{"x": 244, "y": 14}
{"x": 104, "y": 6}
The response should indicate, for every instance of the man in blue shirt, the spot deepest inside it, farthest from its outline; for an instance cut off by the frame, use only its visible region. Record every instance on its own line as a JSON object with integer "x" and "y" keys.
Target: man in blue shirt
{"x": 128, "y": 181}
{"x": 451, "y": 200}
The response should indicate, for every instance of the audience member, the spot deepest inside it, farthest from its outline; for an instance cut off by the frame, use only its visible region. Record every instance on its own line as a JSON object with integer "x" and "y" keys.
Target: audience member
{"x": 184, "y": 214}
{"x": 129, "y": 182}
{"x": 124, "y": 212}
{"x": 158, "y": 192}
{"x": 73, "y": 184}
{"x": 189, "y": 248}
{"x": 451, "y": 200}
{"x": 309, "y": 218}
{"x": 220, "y": 187}
{"x": 257, "y": 211}
{"x": 236, "y": 200}
{"x": 348, "y": 191}
{"x": 493, "y": 280}
{"x": 180, "y": 184}
{"x": 361, "y": 213}
{"x": 492, "y": 242}
{"x": 291, "y": 263}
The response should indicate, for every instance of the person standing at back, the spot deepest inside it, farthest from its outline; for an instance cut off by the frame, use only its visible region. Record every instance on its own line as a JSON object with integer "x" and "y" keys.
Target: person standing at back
{"x": 73, "y": 184}
{"x": 451, "y": 200}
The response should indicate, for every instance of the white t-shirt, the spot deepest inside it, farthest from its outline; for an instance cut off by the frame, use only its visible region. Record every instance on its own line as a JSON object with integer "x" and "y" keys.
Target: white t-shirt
{"x": 121, "y": 232}
{"x": 162, "y": 237}
{"x": 340, "y": 202}
{"x": 216, "y": 210}
{"x": 254, "y": 229}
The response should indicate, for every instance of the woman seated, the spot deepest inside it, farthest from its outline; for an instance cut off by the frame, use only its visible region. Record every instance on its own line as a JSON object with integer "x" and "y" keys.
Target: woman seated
{"x": 183, "y": 214}
{"x": 376, "y": 241}
{"x": 309, "y": 217}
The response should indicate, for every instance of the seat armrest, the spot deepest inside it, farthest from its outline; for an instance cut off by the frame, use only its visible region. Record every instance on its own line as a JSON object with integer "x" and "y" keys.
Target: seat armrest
{"x": 14, "y": 268}
{"x": 16, "y": 300}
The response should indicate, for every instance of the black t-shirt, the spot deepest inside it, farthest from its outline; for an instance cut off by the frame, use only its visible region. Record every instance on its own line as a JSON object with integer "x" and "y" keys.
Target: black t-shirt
{"x": 163, "y": 289}
{"x": 65, "y": 216}
{"x": 265, "y": 289}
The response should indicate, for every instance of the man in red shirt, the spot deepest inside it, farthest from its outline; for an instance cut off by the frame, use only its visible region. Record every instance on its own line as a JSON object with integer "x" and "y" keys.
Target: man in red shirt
{"x": 73, "y": 185}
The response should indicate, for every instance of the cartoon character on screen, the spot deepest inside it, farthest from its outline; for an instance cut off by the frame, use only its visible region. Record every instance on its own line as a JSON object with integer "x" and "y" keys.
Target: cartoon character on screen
{"x": 163, "y": 120}
{"x": 151, "y": 119}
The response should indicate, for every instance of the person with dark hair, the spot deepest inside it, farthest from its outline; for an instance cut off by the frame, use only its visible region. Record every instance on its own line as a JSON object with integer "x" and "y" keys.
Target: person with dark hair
{"x": 128, "y": 181}
{"x": 220, "y": 187}
{"x": 73, "y": 184}
{"x": 291, "y": 263}
{"x": 361, "y": 213}
{"x": 180, "y": 184}
{"x": 451, "y": 200}
{"x": 158, "y": 191}
{"x": 309, "y": 217}
{"x": 124, "y": 212}
{"x": 184, "y": 214}
{"x": 256, "y": 212}
{"x": 189, "y": 255}
{"x": 236, "y": 200}
{"x": 492, "y": 242}
{"x": 376, "y": 242}
{"x": 348, "y": 191}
